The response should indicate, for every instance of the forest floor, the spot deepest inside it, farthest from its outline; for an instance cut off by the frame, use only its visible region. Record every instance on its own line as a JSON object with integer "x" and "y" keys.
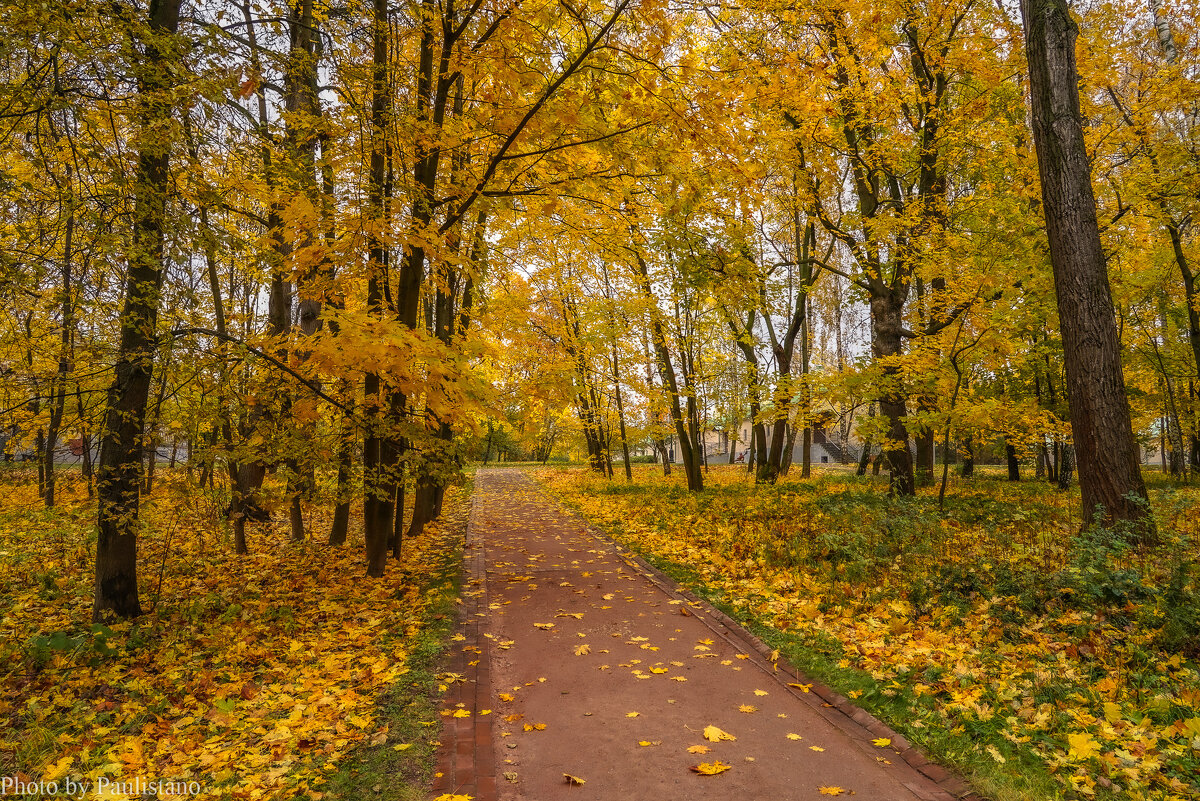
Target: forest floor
{"x": 282, "y": 674}
{"x": 1037, "y": 660}
{"x": 583, "y": 667}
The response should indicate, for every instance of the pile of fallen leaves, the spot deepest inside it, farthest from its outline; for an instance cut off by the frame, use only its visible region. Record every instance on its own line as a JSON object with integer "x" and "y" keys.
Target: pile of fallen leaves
{"x": 995, "y": 619}
{"x": 250, "y": 676}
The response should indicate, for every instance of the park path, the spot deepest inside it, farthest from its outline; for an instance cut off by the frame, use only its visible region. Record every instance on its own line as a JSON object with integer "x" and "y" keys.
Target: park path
{"x": 577, "y": 659}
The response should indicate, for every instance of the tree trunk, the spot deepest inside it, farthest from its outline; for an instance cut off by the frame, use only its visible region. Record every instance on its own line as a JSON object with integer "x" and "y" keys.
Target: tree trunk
{"x": 378, "y": 456}
{"x": 116, "y": 589}
{"x": 887, "y": 310}
{"x": 1110, "y": 478}
{"x": 1066, "y": 467}
{"x": 1014, "y": 466}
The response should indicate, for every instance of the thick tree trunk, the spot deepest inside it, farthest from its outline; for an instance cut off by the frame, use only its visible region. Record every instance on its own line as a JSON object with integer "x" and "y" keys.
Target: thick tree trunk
{"x": 887, "y": 309}
{"x": 116, "y": 590}
{"x": 1110, "y": 479}
{"x": 1014, "y": 466}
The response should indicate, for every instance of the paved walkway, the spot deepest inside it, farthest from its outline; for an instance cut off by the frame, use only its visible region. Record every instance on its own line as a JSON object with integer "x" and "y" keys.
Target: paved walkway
{"x": 581, "y": 661}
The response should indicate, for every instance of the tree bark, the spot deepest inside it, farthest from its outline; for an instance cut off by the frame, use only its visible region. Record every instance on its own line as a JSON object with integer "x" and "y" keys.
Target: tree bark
{"x": 1110, "y": 479}
{"x": 116, "y": 589}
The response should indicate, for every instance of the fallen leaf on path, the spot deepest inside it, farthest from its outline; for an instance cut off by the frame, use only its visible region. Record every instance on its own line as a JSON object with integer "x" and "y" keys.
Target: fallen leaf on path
{"x": 698, "y": 749}
{"x": 761, "y": 692}
{"x": 710, "y": 768}
{"x": 715, "y": 735}
{"x": 583, "y": 650}
{"x": 832, "y": 790}
{"x": 801, "y": 687}
{"x": 648, "y": 743}
{"x": 881, "y": 742}
{"x": 535, "y": 727}
{"x": 631, "y": 714}
{"x": 747, "y": 708}
{"x": 794, "y": 737}
{"x": 575, "y": 781}
{"x": 543, "y": 626}
{"x": 816, "y": 748}
{"x": 506, "y": 697}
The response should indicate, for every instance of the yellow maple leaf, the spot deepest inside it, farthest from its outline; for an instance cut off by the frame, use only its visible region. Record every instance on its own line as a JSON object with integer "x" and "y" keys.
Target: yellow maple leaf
{"x": 573, "y": 780}
{"x": 506, "y": 697}
{"x": 461, "y": 713}
{"x": 747, "y": 708}
{"x": 698, "y": 749}
{"x": 648, "y": 743}
{"x": 881, "y": 742}
{"x": 794, "y": 737}
{"x": 710, "y": 768}
{"x": 543, "y": 626}
{"x": 583, "y": 650}
{"x": 1082, "y": 746}
{"x": 631, "y": 714}
{"x": 715, "y": 735}
{"x": 816, "y": 748}
{"x": 761, "y": 693}
{"x": 831, "y": 790}
{"x": 658, "y": 670}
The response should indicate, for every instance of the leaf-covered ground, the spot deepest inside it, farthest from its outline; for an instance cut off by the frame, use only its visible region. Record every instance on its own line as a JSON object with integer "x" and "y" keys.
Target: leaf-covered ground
{"x": 254, "y": 677}
{"x": 994, "y": 628}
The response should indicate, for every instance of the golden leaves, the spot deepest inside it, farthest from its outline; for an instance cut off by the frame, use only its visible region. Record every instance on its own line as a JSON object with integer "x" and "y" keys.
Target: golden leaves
{"x": 534, "y": 727}
{"x": 1082, "y": 746}
{"x": 543, "y": 626}
{"x": 583, "y": 650}
{"x": 574, "y": 781}
{"x": 792, "y": 736}
{"x": 715, "y": 735}
{"x": 881, "y": 742}
{"x": 832, "y": 790}
{"x": 710, "y": 768}
{"x": 698, "y": 749}
{"x": 747, "y": 708}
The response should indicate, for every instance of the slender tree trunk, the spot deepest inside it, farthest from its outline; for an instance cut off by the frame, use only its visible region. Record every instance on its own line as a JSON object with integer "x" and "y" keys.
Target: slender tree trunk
{"x": 1066, "y": 467}
{"x": 341, "y": 511}
{"x": 116, "y": 589}
{"x": 1014, "y": 466}
{"x": 1110, "y": 478}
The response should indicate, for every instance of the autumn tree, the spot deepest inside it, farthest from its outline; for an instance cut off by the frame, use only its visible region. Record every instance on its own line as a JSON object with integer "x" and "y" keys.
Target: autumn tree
{"x": 1110, "y": 478}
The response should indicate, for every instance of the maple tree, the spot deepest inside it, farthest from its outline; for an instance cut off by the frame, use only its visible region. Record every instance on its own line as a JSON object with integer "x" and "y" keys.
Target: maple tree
{"x": 325, "y": 256}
